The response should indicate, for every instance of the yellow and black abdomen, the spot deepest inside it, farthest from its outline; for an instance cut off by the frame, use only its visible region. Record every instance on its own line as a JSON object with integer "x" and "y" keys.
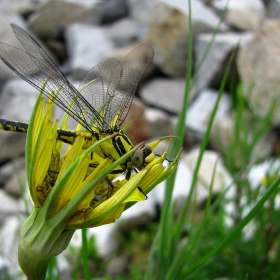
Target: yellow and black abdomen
{"x": 13, "y": 126}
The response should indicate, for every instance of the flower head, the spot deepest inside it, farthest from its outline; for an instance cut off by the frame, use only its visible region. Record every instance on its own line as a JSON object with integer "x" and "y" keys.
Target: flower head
{"x": 75, "y": 189}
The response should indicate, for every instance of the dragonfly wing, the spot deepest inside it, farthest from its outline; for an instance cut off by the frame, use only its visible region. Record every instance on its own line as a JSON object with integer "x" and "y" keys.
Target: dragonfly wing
{"x": 133, "y": 66}
{"x": 37, "y": 68}
{"x": 99, "y": 86}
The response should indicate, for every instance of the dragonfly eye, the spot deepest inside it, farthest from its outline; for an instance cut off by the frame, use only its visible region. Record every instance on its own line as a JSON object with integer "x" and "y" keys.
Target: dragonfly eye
{"x": 137, "y": 158}
{"x": 148, "y": 155}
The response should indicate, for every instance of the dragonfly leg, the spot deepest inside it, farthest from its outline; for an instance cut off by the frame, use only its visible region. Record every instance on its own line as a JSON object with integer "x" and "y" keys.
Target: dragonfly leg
{"x": 111, "y": 185}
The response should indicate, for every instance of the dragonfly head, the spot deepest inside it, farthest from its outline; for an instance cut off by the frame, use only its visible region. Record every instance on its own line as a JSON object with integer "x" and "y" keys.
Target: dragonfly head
{"x": 142, "y": 157}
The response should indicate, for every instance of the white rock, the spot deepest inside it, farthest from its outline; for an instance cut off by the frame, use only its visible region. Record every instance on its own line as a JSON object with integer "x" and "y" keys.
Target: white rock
{"x": 10, "y": 237}
{"x": 8, "y": 204}
{"x": 164, "y": 93}
{"x": 200, "y": 110}
{"x": 239, "y": 4}
{"x": 245, "y": 15}
{"x": 181, "y": 187}
{"x": 141, "y": 10}
{"x": 210, "y": 161}
{"x": 87, "y": 46}
{"x": 104, "y": 236}
{"x": 217, "y": 58}
{"x": 263, "y": 170}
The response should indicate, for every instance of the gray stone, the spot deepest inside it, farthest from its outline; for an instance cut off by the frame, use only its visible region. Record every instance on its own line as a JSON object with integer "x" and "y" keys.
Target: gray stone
{"x": 54, "y": 16}
{"x": 273, "y": 9}
{"x": 168, "y": 32}
{"x": 244, "y": 15}
{"x": 213, "y": 68}
{"x": 259, "y": 64}
{"x": 200, "y": 110}
{"x": 87, "y": 46}
{"x": 117, "y": 265}
{"x": 16, "y": 185}
{"x": 164, "y": 93}
{"x": 16, "y": 103}
{"x": 17, "y": 100}
{"x": 7, "y": 170}
{"x": 123, "y": 32}
{"x": 158, "y": 123}
{"x": 7, "y": 36}
{"x": 114, "y": 10}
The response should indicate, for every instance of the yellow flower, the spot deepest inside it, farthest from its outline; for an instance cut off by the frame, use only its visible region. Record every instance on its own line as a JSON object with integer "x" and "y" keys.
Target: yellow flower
{"x": 73, "y": 190}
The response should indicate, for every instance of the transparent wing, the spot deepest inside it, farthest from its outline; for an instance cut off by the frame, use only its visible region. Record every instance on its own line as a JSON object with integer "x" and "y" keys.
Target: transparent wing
{"x": 115, "y": 84}
{"x": 100, "y": 84}
{"x": 37, "y": 68}
{"x": 133, "y": 66}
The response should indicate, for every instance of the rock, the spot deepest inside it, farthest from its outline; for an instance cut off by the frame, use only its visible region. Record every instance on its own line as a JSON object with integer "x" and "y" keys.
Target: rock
{"x": 158, "y": 123}
{"x": 223, "y": 139}
{"x": 7, "y": 36}
{"x": 117, "y": 265}
{"x": 244, "y": 15}
{"x": 8, "y": 204}
{"x": 200, "y": 110}
{"x": 114, "y": 10}
{"x": 214, "y": 66}
{"x": 15, "y": 185}
{"x": 13, "y": 145}
{"x": 10, "y": 237}
{"x": 106, "y": 242}
{"x": 141, "y": 11}
{"x": 104, "y": 237}
{"x": 259, "y": 64}
{"x": 170, "y": 20}
{"x": 87, "y": 46}
{"x": 136, "y": 130}
{"x": 181, "y": 187}
{"x": 7, "y": 171}
{"x": 16, "y": 103}
{"x": 17, "y": 100}
{"x": 138, "y": 215}
{"x": 123, "y": 32}
{"x": 55, "y": 16}
{"x": 210, "y": 161}
{"x": 273, "y": 9}
{"x": 164, "y": 93}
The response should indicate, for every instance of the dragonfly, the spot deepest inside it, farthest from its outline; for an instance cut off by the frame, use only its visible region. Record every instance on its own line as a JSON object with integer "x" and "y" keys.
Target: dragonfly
{"x": 101, "y": 103}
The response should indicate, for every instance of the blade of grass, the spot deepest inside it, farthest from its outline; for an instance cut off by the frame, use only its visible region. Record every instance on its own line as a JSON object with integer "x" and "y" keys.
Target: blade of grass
{"x": 186, "y": 272}
{"x": 204, "y": 142}
{"x": 84, "y": 254}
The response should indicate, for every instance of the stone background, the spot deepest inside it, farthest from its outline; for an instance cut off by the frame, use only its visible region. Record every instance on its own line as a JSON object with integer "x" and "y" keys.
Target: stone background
{"x": 79, "y": 34}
